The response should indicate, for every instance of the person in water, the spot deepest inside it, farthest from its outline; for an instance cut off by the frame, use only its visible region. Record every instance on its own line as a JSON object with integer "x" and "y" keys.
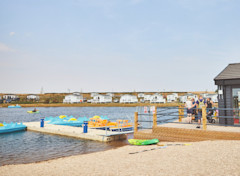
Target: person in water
{"x": 35, "y": 110}
{"x": 200, "y": 103}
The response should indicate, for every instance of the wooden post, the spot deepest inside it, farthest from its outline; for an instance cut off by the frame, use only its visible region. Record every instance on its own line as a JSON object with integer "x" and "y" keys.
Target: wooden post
{"x": 180, "y": 113}
{"x": 204, "y": 117}
{"x": 135, "y": 122}
{"x": 155, "y": 119}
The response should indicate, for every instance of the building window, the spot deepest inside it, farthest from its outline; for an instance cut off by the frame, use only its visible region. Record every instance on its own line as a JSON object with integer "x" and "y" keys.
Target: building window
{"x": 236, "y": 99}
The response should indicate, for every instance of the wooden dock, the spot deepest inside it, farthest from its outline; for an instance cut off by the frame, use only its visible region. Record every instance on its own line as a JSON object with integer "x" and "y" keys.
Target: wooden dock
{"x": 77, "y": 132}
{"x": 179, "y": 132}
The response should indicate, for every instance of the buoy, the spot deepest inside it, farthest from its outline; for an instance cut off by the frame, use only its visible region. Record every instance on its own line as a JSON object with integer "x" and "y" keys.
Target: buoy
{"x": 1, "y": 124}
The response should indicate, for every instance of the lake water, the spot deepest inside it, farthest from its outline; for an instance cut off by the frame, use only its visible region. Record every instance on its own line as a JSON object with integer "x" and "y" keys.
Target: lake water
{"x": 27, "y": 147}
{"x": 20, "y": 114}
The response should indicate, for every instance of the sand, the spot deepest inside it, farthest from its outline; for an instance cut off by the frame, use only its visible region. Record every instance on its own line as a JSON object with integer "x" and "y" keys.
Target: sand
{"x": 200, "y": 158}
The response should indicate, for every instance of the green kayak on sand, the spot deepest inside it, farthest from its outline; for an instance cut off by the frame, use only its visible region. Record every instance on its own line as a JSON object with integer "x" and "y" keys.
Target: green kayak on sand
{"x": 143, "y": 142}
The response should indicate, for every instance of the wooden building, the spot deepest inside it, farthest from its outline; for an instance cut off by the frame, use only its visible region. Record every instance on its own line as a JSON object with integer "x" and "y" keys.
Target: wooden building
{"x": 228, "y": 82}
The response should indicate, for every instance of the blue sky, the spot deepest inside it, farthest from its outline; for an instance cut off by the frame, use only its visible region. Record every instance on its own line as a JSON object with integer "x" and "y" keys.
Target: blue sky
{"x": 116, "y": 45}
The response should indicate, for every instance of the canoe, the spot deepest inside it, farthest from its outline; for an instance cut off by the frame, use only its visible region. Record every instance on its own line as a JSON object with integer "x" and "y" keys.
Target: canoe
{"x": 11, "y": 127}
{"x": 12, "y": 106}
{"x": 33, "y": 112}
{"x": 143, "y": 142}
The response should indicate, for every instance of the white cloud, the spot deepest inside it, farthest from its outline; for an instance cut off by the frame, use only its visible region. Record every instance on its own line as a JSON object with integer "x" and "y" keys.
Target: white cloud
{"x": 5, "y": 48}
{"x": 12, "y": 33}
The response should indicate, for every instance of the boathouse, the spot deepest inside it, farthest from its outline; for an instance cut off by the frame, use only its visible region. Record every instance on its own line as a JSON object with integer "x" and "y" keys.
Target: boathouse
{"x": 228, "y": 82}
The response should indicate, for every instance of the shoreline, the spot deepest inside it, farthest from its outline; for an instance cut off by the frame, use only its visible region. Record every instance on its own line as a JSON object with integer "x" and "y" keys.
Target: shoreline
{"x": 93, "y": 105}
{"x": 200, "y": 158}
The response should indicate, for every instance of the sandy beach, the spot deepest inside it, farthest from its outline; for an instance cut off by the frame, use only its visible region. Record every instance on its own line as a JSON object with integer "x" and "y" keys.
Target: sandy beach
{"x": 200, "y": 158}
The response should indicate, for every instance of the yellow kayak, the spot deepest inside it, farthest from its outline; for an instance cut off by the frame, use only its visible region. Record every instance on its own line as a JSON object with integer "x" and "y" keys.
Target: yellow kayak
{"x": 33, "y": 112}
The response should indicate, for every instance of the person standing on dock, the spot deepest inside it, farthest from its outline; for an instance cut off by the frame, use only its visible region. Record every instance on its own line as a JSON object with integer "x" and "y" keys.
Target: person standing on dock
{"x": 194, "y": 110}
{"x": 200, "y": 103}
{"x": 209, "y": 107}
{"x": 189, "y": 106}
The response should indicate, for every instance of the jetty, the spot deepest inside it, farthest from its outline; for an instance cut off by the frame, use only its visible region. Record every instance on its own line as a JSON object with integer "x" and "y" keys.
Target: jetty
{"x": 77, "y": 132}
{"x": 178, "y": 130}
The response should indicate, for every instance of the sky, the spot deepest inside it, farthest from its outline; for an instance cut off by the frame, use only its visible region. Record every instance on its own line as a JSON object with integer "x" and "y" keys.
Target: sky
{"x": 116, "y": 45}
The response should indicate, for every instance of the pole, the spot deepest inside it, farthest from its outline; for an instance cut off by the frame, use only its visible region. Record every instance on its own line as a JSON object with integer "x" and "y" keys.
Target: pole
{"x": 180, "y": 113}
{"x": 135, "y": 122}
{"x": 204, "y": 117}
{"x": 155, "y": 119}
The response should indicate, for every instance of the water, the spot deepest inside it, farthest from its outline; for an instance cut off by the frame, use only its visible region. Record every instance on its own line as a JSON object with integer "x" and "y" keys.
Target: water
{"x": 20, "y": 114}
{"x": 27, "y": 147}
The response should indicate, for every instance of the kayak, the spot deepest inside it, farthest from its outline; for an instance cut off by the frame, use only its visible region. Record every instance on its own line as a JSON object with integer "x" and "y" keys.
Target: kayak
{"x": 33, "y": 112}
{"x": 143, "y": 142}
{"x": 13, "y": 106}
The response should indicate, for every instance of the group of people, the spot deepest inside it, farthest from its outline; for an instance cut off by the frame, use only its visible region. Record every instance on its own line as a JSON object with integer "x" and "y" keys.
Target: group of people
{"x": 194, "y": 108}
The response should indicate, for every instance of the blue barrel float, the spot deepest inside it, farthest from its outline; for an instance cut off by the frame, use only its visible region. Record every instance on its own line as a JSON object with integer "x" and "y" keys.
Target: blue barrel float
{"x": 42, "y": 122}
{"x": 85, "y": 126}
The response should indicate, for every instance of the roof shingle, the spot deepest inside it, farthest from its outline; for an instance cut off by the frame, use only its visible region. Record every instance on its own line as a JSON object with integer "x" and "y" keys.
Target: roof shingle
{"x": 232, "y": 71}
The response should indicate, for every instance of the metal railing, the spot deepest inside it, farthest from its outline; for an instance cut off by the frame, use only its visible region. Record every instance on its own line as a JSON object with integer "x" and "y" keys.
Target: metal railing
{"x": 219, "y": 116}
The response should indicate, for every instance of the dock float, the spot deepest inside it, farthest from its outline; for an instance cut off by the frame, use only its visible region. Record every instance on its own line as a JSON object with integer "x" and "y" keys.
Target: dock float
{"x": 77, "y": 132}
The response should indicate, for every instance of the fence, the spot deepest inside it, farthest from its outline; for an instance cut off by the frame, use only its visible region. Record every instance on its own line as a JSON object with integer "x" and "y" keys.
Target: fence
{"x": 149, "y": 117}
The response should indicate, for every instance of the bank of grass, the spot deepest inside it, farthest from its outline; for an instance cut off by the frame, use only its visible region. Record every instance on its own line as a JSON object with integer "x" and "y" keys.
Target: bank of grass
{"x": 96, "y": 105}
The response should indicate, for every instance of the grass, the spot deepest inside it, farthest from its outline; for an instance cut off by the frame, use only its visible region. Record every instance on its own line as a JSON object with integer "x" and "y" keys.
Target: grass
{"x": 95, "y": 105}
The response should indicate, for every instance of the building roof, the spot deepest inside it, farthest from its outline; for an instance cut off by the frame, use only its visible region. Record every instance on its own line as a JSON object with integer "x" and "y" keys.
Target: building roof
{"x": 232, "y": 71}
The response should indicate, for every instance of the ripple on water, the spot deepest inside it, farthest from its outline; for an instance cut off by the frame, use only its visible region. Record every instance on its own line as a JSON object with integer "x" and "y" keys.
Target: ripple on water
{"x": 28, "y": 147}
